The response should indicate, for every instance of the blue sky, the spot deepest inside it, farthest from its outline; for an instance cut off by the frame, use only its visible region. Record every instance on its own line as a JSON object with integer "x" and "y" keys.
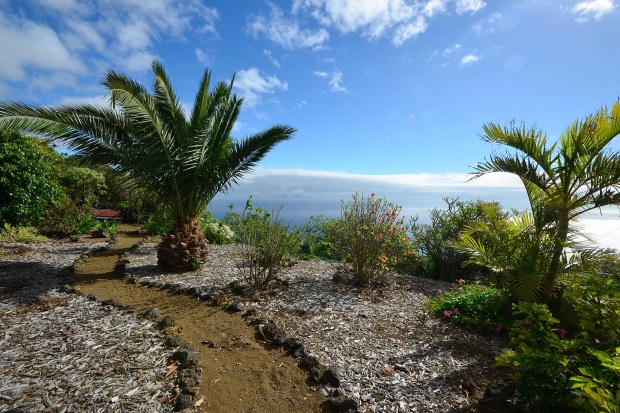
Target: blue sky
{"x": 387, "y": 96}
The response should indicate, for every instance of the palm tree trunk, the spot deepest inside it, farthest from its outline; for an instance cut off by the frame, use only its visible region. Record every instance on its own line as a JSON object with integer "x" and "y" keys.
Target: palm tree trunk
{"x": 184, "y": 248}
{"x": 560, "y": 242}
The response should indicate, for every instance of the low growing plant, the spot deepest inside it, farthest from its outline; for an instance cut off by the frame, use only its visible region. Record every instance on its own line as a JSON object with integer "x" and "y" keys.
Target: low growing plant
{"x": 369, "y": 237}
{"x": 265, "y": 244}
{"x": 216, "y": 231}
{"x": 599, "y": 385}
{"x": 10, "y": 233}
{"x": 111, "y": 227}
{"x": 315, "y": 242}
{"x": 538, "y": 357}
{"x": 471, "y": 304}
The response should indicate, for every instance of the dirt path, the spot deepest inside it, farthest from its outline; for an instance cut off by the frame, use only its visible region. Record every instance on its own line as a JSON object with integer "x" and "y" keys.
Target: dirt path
{"x": 239, "y": 374}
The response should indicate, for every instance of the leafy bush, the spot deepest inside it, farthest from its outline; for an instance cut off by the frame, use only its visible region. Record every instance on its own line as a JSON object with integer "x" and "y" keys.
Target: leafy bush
{"x": 369, "y": 237}
{"x": 158, "y": 224}
{"x": 64, "y": 218}
{"x": 440, "y": 260}
{"x": 265, "y": 244}
{"x": 111, "y": 227}
{"x": 538, "y": 357}
{"x": 29, "y": 171}
{"x": 599, "y": 385}
{"x": 217, "y": 232}
{"x": 314, "y": 235}
{"x": 20, "y": 234}
{"x": 471, "y": 304}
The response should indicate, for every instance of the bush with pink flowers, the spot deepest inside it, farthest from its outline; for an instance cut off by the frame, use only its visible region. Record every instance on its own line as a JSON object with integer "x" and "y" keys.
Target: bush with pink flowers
{"x": 370, "y": 237}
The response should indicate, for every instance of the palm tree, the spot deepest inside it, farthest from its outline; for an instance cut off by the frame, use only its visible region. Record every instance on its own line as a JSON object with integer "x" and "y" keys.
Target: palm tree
{"x": 182, "y": 161}
{"x": 575, "y": 175}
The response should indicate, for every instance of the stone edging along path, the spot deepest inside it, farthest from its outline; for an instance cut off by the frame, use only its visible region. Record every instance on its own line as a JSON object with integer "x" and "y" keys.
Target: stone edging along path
{"x": 186, "y": 355}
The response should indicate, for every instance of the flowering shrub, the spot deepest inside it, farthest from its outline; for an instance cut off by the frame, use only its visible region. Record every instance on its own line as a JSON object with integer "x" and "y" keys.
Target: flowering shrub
{"x": 538, "y": 357}
{"x": 470, "y": 304}
{"x": 265, "y": 244}
{"x": 217, "y": 232}
{"x": 369, "y": 237}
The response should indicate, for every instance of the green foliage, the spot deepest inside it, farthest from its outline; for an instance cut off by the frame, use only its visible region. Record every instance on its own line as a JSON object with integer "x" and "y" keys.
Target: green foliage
{"x": 10, "y": 233}
{"x": 440, "y": 260}
{"x": 85, "y": 186}
{"x": 265, "y": 243}
{"x": 180, "y": 159}
{"x": 596, "y": 302}
{"x": 471, "y": 304}
{"x": 574, "y": 175}
{"x": 64, "y": 218}
{"x": 111, "y": 227}
{"x": 29, "y": 171}
{"x": 599, "y": 385}
{"x": 216, "y": 231}
{"x": 158, "y": 224}
{"x": 513, "y": 249}
{"x": 537, "y": 357}
{"x": 369, "y": 237}
{"x": 315, "y": 242}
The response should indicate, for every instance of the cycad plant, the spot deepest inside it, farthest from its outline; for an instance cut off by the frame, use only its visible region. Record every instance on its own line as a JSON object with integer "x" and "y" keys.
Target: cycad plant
{"x": 182, "y": 160}
{"x": 577, "y": 174}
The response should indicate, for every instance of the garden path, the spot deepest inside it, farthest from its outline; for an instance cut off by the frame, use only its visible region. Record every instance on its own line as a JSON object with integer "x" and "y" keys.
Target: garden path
{"x": 239, "y": 375}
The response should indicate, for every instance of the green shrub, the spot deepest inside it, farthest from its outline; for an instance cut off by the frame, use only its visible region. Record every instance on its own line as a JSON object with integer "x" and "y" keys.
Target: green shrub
{"x": 111, "y": 227}
{"x": 20, "y": 234}
{"x": 265, "y": 244}
{"x": 369, "y": 237}
{"x": 471, "y": 304}
{"x": 439, "y": 259}
{"x": 538, "y": 357}
{"x": 314, "y": 235}
{"x": 64, "y": 218}
{"x": 599, "y": 385}
{"x": 29, "y": 172}
{"x": 158, "y": 224}
{"x": 216, "y": 231}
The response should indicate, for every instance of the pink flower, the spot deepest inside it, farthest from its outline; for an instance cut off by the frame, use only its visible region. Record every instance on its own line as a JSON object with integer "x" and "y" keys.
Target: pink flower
{"x": 461, "y": 281}
{"x": 372, "y": 212}
{"x": 373, "y": 194}
{"x": 380, "y": 236}
{"x": 383, "y": 260}
{"x": 526, "y": 320}
{"x": 390, "y": 230}
{"x": 380, "y": 219}
{"x": 440, "y": 291}
{"x": 460, "y": 288}
{"x": 456, "y": 311}
{"x": 408, "y": 252}
{"x": 498, "y": 329}
{"x": 456, "y": 293}
{"x": 597, "y": 341}
{"x": 561, "y": 332}
{"x": 446, "y": 313}
{"x": 388, "y": 213}
{"x": 416, "y": 241}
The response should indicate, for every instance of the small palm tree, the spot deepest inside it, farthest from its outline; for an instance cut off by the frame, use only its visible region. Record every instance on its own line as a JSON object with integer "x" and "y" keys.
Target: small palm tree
{"x": 570, "y": 177}
{"x": 182, "y": 161}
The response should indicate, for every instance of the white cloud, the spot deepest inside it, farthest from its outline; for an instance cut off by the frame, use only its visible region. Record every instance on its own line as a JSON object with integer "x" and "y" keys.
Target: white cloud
{"x": 272, "y": 59}
{"x": 398, "y": 19}
{"x": 469, "y": 6}
{"x": 449, "y": 50}
{"x": 32, "y": 46}
{"x": 252, "y": 85}
{"x": 201, "y": 55}
{"x": 334, "y": 80}
{"x": 409, "y": 30}
{"x": 489, "y": 24}
{"x": 469, "y": 59}
{"x": 80, "y": 37}
{"x": 593, "y": 8}
{"x": 286, "y": 32}
{"x": 433, "y": 7}
{"x": 301, "y": 104}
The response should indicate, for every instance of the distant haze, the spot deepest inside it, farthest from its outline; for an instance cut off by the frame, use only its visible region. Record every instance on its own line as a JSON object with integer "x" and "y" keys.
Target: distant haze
{"x": 304, "y": 193}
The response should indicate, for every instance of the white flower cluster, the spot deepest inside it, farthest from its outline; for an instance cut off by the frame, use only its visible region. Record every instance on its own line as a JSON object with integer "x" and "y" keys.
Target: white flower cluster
{"x": 218, "y": 230}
